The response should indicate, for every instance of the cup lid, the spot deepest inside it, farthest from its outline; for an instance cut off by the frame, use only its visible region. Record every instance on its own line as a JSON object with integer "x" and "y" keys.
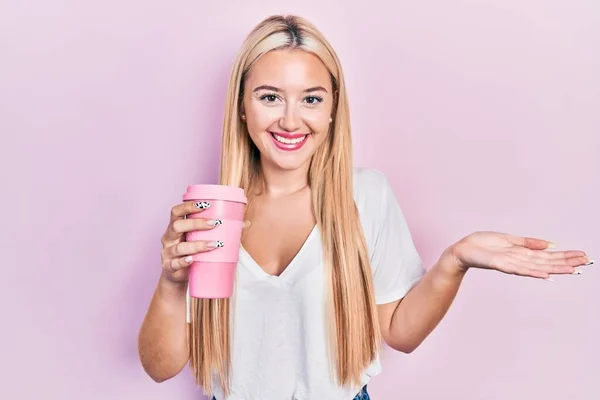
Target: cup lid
{"x": 215, "y": 192}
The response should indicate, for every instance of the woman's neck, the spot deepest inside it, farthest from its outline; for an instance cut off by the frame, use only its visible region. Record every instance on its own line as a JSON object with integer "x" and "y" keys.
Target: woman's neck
{"x": 280, "y": 182}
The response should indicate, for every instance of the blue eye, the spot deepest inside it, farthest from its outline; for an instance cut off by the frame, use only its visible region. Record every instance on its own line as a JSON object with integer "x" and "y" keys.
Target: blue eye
{"x": 313, "y": 100}
{"x": 270, "y": 98}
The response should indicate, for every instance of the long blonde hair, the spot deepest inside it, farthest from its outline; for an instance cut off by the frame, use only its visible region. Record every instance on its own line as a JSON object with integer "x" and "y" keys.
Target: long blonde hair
{"x": 354, "y": 332}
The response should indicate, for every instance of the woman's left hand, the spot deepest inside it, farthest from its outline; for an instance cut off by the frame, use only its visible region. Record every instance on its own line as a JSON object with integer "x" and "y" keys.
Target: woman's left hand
{"x": 516, "y": 255}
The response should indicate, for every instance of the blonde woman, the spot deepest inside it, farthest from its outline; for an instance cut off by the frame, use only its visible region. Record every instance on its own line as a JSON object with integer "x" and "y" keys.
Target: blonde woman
{"x": 327, "y": 267}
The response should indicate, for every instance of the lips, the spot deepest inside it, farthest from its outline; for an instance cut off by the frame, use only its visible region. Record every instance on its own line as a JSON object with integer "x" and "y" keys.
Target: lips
{"x": 289, "y": 141}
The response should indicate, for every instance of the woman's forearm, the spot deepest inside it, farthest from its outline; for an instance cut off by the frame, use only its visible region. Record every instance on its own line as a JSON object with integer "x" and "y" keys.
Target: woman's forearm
{"x": 425, "y": 304}
{"x": 162, "y": 342}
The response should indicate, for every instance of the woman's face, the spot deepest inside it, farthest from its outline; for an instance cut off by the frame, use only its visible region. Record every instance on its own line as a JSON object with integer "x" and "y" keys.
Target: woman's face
{"x": 287, "y": 107}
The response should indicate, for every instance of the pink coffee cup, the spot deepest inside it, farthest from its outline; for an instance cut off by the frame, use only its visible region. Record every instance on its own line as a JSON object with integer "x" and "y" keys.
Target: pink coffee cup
{"x": 212, "y": 273}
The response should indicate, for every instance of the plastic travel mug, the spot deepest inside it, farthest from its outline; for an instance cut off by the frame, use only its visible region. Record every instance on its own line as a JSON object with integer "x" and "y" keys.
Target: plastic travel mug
{"x": 212, "y": 273}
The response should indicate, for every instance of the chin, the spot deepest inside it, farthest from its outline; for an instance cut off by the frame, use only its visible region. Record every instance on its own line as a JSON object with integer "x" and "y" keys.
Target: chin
{"x": 290, "y": 163}
{"x": 286, "y": 159}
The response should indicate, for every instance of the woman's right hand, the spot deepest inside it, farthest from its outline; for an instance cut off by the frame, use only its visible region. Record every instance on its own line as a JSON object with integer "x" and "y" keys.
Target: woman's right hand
{"x": 176, "y": 252}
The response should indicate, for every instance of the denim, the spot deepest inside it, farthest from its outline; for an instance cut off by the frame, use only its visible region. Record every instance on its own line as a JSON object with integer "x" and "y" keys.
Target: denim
{"x": 362, "y": 395}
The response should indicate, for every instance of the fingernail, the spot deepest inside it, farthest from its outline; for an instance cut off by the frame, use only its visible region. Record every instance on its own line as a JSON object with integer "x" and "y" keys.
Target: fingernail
{"x": 188, "y": 259}
{"x": 576, "y": 271}
{"x": 551, "y": 245}
{"x": 214, "y": 222}
{"x": 202, "y": 205}
{"x": 215, "y": 244}
{"x": 549, "y": 280}
{"x": 590, "y": 262}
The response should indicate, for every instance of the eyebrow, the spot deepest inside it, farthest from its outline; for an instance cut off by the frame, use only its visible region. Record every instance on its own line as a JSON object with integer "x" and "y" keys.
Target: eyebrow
{"x": 278, "y": 90}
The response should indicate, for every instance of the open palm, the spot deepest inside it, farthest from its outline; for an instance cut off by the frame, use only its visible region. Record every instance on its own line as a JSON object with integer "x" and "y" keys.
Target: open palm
{"x": 516, "y": 255}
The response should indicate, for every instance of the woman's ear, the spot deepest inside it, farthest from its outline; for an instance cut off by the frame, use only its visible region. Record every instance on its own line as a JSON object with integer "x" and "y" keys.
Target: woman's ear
{"x": 336, "y": 95}
{"x": 335, "y": 105}
{"x": 242, "y": 112}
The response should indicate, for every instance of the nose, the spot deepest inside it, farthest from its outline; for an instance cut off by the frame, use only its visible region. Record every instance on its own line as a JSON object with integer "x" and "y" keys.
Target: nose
{"x": 290, "y": 121}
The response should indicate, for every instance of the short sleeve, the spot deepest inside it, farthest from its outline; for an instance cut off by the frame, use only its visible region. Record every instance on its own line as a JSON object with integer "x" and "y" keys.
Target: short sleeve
{"x": 395, "y": 262}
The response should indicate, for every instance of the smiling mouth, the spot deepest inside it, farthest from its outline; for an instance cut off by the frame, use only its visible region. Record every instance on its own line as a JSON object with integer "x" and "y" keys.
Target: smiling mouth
{"x": 289, "y": 139}
{"x": 286, "y": 141}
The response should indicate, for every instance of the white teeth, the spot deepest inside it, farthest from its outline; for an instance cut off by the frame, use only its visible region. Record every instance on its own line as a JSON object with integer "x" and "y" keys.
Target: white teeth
{"x": 288, "y": 141}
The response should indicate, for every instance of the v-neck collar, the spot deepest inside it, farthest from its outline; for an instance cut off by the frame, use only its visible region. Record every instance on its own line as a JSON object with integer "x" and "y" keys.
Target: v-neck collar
{"x": 288, "y": 271}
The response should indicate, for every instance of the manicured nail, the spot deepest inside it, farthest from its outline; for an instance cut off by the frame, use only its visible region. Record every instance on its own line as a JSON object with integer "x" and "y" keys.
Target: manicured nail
{"x": 202, "y": 205}
{"x": 188, "y": 259}
{"x": 214, "y": 222}
{"x": 215, "y": 244}
{"x": 577, "y": 271}
{"x": 590, "y": 262}
{"x": 551, "y": 245}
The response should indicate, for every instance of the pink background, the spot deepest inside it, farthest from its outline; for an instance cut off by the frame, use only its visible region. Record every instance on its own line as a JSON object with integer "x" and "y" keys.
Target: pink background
{"x": 484, "y": 115}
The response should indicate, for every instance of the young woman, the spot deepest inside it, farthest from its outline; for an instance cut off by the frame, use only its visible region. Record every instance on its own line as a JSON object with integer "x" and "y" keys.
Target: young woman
{"x": 327, "y": 266}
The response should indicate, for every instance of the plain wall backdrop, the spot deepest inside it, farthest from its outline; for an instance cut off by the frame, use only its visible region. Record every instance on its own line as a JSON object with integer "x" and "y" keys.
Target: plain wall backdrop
{"x": 483, "y": 114}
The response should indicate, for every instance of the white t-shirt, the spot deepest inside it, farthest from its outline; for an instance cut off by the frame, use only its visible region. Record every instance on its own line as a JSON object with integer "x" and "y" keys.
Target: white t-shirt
{"x": 280, "y": 344}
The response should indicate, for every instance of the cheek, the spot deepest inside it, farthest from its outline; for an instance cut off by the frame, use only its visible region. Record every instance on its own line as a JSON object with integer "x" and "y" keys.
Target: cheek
{"x": 318, "y": 119}
{"x": 257, "y": 121}
{"x": 318, "y": 122}
{"x": 261, "y": 116}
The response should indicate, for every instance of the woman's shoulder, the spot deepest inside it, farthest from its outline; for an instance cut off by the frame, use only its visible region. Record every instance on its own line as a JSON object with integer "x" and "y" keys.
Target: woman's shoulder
{"x": 370, "y": 191}
{"x": 371, "y": 195}
{"x": 369, "y": 181}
